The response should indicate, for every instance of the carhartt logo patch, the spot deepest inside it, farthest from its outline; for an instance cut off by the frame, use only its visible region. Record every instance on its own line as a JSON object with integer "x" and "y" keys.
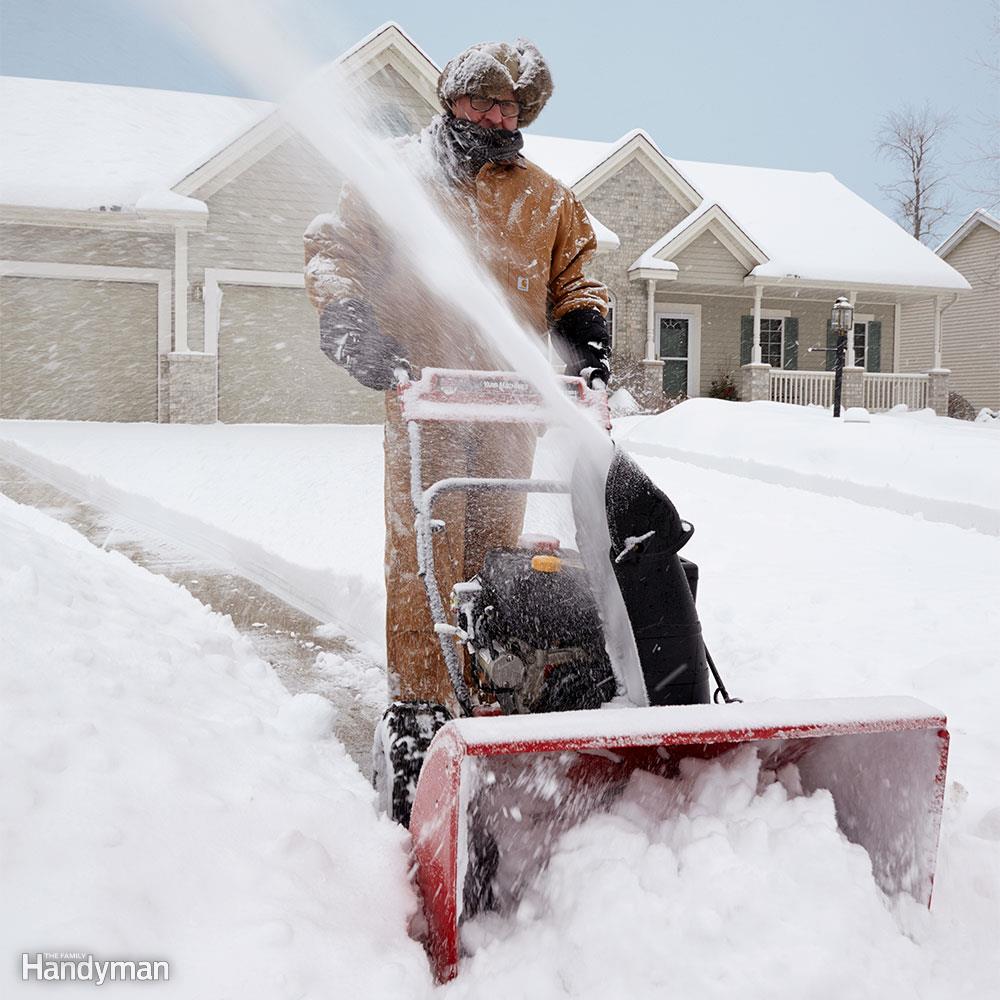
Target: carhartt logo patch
{"x": 522, "y": 283}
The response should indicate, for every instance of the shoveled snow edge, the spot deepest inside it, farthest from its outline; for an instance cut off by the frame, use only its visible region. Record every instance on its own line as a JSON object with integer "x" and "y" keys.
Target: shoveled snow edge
{"x": 351, "y": 602}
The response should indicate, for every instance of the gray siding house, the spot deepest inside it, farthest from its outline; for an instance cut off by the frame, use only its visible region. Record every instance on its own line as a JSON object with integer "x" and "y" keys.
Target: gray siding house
{"x": 970, "y": 328}
{"x": 161, "y": 277}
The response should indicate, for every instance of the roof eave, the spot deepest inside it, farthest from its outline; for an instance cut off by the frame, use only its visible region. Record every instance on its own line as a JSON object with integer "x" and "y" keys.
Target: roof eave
{"x": 148, "y": 220}
{"x": 794, "y": 281}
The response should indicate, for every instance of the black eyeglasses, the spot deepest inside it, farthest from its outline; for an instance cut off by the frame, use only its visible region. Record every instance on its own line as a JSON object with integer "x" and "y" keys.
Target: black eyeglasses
{"x": 509, "y": 109}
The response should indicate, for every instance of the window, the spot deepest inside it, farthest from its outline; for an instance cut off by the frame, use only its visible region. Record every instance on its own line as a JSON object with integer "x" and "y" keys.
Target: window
{"x": 674, "y": 333}
{"x": 860, "y": 343}
{"x": 772, "y": 335}
{"x": 611, "y": 318}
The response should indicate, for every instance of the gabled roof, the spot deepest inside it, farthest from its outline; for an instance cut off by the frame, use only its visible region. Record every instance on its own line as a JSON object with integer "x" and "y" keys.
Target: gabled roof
{"x": 584, "y": 165}
{"x": 98, "y": 147}
{"x": 708, "y": 216}
{"x": 793, "y": 225}
{"x": 980, "y": 217}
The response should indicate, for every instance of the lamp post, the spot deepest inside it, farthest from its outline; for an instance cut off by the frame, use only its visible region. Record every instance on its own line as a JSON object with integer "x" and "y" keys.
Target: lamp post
{"x": 841, "y": 323}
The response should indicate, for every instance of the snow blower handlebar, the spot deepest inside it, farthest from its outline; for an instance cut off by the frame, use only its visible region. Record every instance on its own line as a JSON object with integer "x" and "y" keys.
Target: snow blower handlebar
{"x": 471, "y": 397}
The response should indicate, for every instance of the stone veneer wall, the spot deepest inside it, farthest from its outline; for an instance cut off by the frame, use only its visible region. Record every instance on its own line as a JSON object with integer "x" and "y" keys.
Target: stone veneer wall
{"x": 637, "y": 208}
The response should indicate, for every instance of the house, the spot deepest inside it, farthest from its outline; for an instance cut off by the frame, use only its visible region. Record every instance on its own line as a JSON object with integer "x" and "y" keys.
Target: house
{"x": 150, "y": 259}
{"x": 151, "y": 249}
{"x": 970, "y": 329}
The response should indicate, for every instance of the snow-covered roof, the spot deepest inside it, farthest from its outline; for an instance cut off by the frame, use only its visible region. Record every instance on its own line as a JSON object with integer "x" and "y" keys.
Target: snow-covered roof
{"x": 980, "y": 217}
{"x": 88, "y": 145}
{"x": 809, "y": 225}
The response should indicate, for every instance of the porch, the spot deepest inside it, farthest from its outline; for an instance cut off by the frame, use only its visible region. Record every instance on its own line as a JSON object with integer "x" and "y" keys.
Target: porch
{"x": 773, "y": 342}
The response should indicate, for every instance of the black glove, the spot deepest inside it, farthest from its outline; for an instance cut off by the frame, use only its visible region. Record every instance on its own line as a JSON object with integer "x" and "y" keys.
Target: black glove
{"x": 349, "y": 335}
{"x": 581, "y": 339}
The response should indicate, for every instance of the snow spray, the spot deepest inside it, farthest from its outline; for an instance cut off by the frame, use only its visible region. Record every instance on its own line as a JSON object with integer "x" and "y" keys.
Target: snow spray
{"x": 252, "y": 41}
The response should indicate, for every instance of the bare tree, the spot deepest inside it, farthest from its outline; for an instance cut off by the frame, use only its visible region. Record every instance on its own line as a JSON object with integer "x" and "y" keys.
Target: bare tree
{"x": 986, "y": 144}
{"x": 911, "y": 140}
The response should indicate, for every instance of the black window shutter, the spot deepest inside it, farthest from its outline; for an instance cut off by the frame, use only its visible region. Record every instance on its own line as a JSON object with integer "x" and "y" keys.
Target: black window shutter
{"x": 831, "y": 346}
{"x": 746, "y": 339}
{"x": 873, "y": 349}
{"x": 791, "y": 345}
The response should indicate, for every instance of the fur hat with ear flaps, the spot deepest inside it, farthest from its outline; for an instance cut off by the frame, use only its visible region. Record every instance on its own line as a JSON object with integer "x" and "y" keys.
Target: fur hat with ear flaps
{"x": 491, "y": 69}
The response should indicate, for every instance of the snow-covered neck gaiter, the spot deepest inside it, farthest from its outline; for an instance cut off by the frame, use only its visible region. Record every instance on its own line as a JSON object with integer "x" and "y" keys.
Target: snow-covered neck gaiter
{"x": 463, "y": 147}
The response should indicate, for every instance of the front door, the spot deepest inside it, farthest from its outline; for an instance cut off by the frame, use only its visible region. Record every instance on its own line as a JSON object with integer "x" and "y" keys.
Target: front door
{"x": 674, "y": 339}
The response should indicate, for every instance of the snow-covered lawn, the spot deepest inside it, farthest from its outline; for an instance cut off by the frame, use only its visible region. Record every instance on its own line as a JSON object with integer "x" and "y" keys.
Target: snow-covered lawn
{"x": 136, "y": 718}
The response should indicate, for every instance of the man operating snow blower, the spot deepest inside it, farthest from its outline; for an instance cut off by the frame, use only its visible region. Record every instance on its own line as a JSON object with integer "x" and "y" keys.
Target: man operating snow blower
{"x": 533, "y": 235}
{"x": 570, "y": 675}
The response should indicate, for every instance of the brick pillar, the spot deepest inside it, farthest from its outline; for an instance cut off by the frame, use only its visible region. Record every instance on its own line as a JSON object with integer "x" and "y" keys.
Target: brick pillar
{"x": 192, "y": 388}
{"x": 852, "y": 391}
{"x": 937, "y": 390}
{"x": 652, "y": 384}
{"x": 755, "y": 383}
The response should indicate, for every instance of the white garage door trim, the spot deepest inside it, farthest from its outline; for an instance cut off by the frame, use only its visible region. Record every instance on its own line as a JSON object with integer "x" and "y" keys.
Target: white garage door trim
{"x": 159, "y": 276}
{"x": 215, "y": 277}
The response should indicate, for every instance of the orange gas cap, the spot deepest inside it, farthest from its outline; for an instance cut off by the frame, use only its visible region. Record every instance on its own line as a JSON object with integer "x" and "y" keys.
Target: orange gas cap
{"x": 546, "y": 564}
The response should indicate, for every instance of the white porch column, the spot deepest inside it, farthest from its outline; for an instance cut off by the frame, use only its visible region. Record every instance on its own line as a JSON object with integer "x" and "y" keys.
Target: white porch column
{"x": 897, "y": 322}
{"x": 180, "y": 290}
{"x": 758, "y": 296}
{"x": 650, "y": 319}
{"x": 852, "y": 297}
{"x": 938, "y": 309}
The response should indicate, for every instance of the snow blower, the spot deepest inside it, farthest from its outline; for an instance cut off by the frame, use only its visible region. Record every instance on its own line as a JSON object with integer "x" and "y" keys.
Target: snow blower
{"x": 541, "y": 742}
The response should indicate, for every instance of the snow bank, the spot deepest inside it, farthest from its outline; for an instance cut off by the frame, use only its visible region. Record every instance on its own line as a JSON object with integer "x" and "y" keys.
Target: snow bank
{"x": 298, "y": 509}
{"x": 164, "y": 797}
{"x": 912, "y": 462}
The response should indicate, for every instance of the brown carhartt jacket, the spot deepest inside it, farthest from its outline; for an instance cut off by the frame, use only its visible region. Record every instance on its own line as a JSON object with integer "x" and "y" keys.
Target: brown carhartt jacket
{"x": 528, "y": 229}
{"x": 534, "y": 236}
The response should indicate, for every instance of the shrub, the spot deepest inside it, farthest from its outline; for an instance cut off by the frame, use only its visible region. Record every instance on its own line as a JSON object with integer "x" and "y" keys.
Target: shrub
{"x": 723, "y": 387}
{"x": 959, "y": 407}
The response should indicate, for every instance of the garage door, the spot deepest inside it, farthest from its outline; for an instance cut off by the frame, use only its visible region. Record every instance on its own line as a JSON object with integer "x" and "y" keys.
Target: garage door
{"x": 271, "y": 369}
{"x": 77, "y": 350}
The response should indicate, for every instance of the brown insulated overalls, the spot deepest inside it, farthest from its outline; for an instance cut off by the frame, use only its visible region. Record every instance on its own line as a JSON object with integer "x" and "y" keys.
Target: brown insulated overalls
{"x": 534, "y": 236}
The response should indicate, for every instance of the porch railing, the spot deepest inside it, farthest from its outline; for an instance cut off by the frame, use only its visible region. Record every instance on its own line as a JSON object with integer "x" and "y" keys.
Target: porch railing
{"x": 802, "y": 388}
{"x": 882, "y": 390}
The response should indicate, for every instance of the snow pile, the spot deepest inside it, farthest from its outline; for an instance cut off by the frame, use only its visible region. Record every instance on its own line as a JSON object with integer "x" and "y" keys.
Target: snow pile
{"x": 623, "y": 404}
{"x": 164, "y": 797}
{"x": 988, "y": 417}
{"x": 911, "y": 462}
{"x": 720, "y": 882}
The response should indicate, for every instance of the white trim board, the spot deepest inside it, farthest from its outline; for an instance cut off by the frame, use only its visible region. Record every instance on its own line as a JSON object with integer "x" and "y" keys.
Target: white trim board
{"x": 980, "y": 217}
{"x": 692, "y": 313}
{"x": 216, "y": 277}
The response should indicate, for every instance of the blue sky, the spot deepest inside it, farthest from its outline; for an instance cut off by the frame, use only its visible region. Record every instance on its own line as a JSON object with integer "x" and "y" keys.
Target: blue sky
{"x": 799, "y": 84}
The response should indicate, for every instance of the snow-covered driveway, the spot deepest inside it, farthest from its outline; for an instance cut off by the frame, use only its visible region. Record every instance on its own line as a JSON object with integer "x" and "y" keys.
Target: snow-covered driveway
{"x": 162, "y": 793}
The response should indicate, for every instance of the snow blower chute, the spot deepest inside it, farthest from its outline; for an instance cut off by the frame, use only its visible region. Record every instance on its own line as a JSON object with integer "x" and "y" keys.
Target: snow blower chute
{"x": 537, "y": 748}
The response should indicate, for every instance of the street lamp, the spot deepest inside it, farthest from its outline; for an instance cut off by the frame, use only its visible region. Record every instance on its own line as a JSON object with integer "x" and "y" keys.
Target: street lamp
{"x": 841, "y": 323}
